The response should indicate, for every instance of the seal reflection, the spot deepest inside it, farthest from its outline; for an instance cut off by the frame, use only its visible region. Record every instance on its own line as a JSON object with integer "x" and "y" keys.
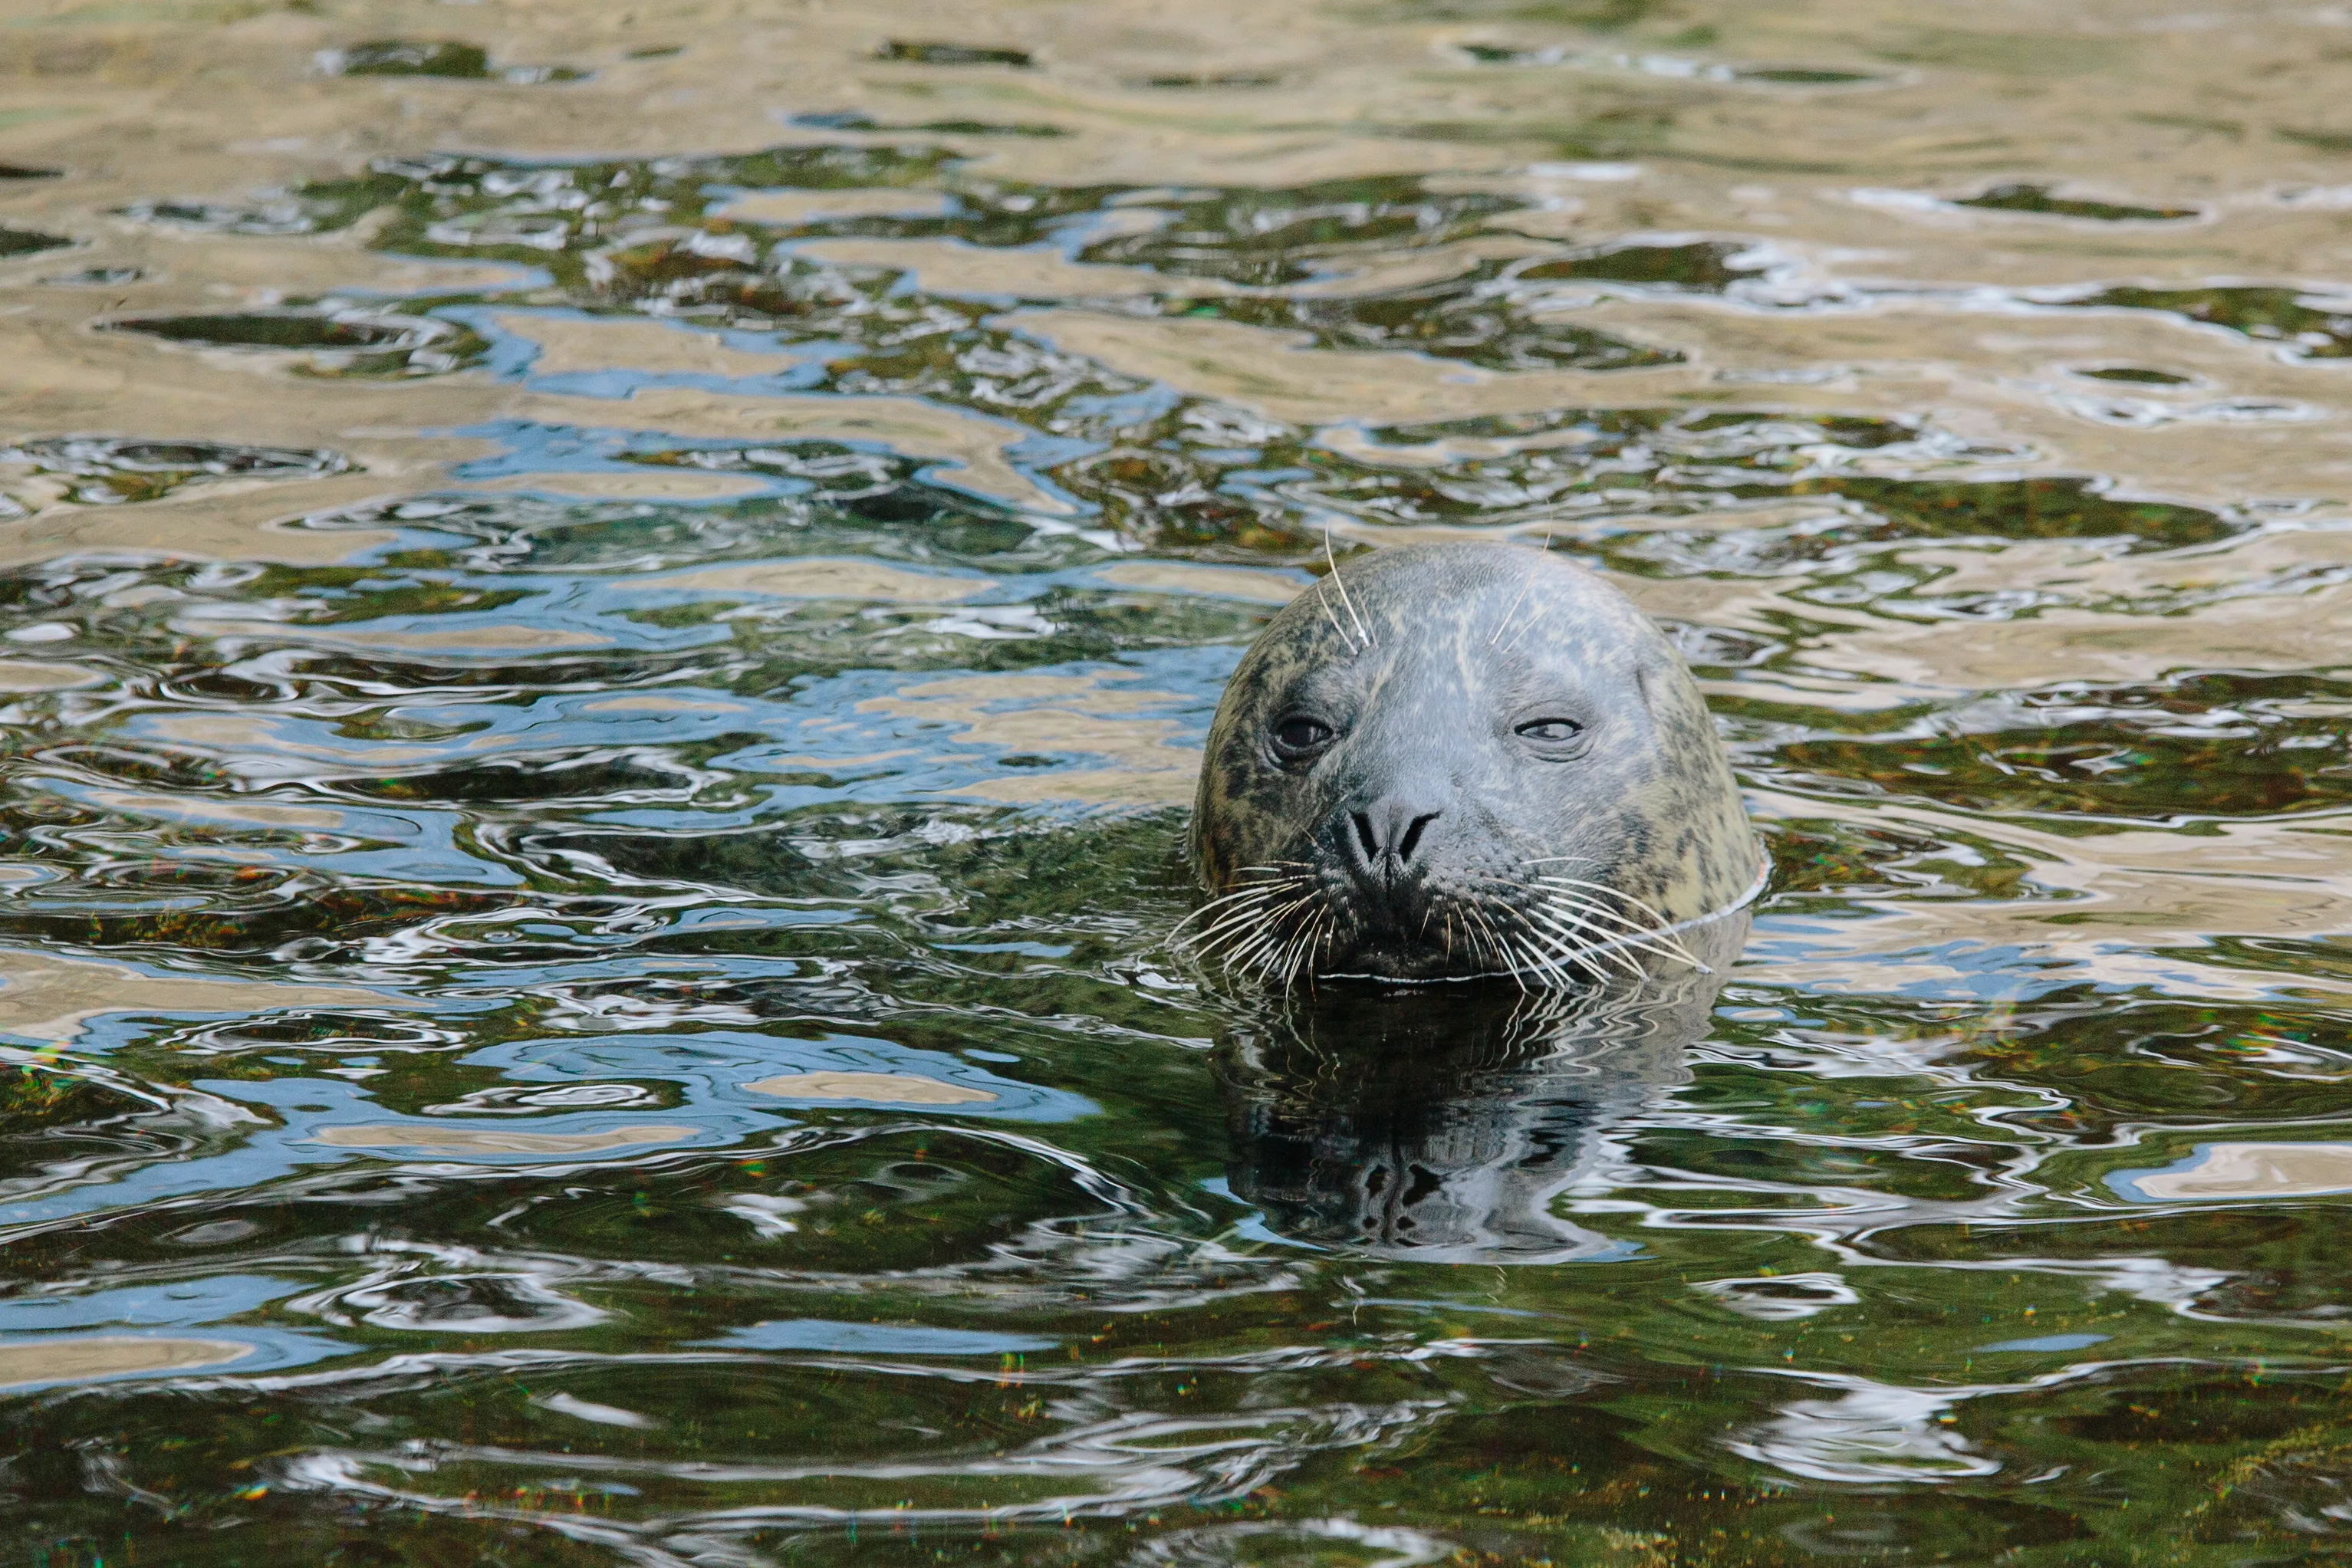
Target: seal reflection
{"x": 1445, "y": 1124}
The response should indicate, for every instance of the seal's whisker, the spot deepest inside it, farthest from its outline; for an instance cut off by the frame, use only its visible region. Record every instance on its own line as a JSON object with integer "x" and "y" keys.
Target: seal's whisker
{"x": 1612, "y": 942}
{"x": 1334, "y": 580}
{"x": 1619, "y": 924}
{"x": 1293, "y": 957}
{"x": 1285, "y": 964}
{"x": 1496, "y": 946}
{"x": 1599, "y": 940}
{"x": 1264, "y": 926}
{"x": 1236, "y": 906}
{"x": 1545, "y": 961}
{"x": 1275, "y": 959}
{"x": 1532, "y": 945}
{"x": 1604, "y": 887}
{"x": 1660, "y": 931}
{"x": 1245, "y": 924}
{"x": 1581, "y": 959}
{"x": 1655, "y": 914}
{"x": 1609, "y": 923}
{"x": 1555, "y": 950}
{"x": 1565, "y": 921}
{"x": 1257, "y": 890}
{"x": 1268, "y": 934}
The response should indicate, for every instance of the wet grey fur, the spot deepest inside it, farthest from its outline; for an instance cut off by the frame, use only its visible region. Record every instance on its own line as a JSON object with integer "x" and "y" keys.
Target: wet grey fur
{"x": 1426, "y": 662}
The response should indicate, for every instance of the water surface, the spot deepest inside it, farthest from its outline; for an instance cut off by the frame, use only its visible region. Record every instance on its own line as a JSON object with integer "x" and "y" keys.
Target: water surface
{"x": 609, "y": 618}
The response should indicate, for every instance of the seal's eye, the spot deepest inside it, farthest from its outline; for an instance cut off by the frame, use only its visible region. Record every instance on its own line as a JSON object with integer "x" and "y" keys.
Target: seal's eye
{"x": 1298, "y": 736}
{"x": 1550, "y": 731}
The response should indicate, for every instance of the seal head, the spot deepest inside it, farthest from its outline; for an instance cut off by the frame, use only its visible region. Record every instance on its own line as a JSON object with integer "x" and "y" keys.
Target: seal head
{"x": 1461, "y": 759}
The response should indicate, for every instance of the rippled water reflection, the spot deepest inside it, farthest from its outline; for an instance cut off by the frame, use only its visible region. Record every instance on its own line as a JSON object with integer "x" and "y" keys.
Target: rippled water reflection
{"x": 610, "y": 615}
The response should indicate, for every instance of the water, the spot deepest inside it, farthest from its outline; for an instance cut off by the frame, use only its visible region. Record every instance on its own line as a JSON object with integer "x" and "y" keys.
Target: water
{"x": 609, "y": 616}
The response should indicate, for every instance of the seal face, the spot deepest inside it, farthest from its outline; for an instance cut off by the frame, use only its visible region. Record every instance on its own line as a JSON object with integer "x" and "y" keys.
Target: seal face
{"x": 1461, "y": 759}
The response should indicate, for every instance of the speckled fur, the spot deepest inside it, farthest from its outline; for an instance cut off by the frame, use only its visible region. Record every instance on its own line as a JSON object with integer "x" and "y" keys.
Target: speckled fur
{"x": 1468, "y": 639}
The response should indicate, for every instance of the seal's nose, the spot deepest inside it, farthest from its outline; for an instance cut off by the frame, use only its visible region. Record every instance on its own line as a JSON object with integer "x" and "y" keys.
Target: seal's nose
{"x": 1387, "y": 834}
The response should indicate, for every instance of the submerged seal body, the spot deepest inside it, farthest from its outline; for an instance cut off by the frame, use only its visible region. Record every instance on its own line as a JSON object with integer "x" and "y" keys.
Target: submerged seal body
{"x": 1459, "y": 760}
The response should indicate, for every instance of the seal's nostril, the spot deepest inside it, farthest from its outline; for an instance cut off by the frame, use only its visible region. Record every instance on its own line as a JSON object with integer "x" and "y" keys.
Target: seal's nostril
{"x": 1389, "y": 834}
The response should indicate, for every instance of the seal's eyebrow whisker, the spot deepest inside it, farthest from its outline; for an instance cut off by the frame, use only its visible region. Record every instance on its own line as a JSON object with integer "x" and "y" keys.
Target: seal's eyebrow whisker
{"x": 1334, "y": 580}
{"x": 1328, "y": 615}
{"x": 1495, "y": 637}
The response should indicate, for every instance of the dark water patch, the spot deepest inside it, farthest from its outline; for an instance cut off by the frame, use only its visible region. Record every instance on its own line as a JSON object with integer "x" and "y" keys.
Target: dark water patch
{"x": 841, "y": 501}
{"x": 2138, "y": 375}
{"x": 247, "y": 919}
{"x": 24, "y": 171}
{"x": 2134, "y": 763}
{"x": 851, "y": 120}
{"x": 409, "y": 57}
{"x": 1228, "y": 81}
{"x": 336, "y": 344}
{"x": 1702, "y": 266}
{"x": 2045, "y": 508}
{"x": 29, "y": 242}
{"x": 2319, "y": 141}
{"x": 533, "y": 75}
{"x": 1804, "y": 76}
{"x": 109, "y": 469}
{"x": 1473, "y": 319}
{"x": 980, "y": 128}
{"x": 314, "y": 208}
{"x": 1502, "y": 55}
{"x": 951, "y": 54}
{"x": 97, "y": 278}
{"x": 2306, "y": 326}
{"x": 1265, "y": 238}
{"x": 1577, "y": 462}
{"x": 2023, "y": 198}
{"x": 2170, "y": 1065}
{"x": 60, "y": 1124}
{"x": 1598, "y": 14}
{"x": 549, "y": 213}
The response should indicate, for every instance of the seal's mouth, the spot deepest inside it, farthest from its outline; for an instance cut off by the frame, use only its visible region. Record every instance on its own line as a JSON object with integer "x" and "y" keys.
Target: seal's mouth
{"x": 1283, "y": 925}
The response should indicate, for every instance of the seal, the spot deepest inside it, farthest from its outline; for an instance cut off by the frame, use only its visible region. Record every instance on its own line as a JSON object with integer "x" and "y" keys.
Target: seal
{"x": 1463, "y": 760}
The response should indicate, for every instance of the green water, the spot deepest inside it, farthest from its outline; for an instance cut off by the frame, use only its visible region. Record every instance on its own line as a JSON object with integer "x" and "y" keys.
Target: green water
{"x": 596, "y": 731}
